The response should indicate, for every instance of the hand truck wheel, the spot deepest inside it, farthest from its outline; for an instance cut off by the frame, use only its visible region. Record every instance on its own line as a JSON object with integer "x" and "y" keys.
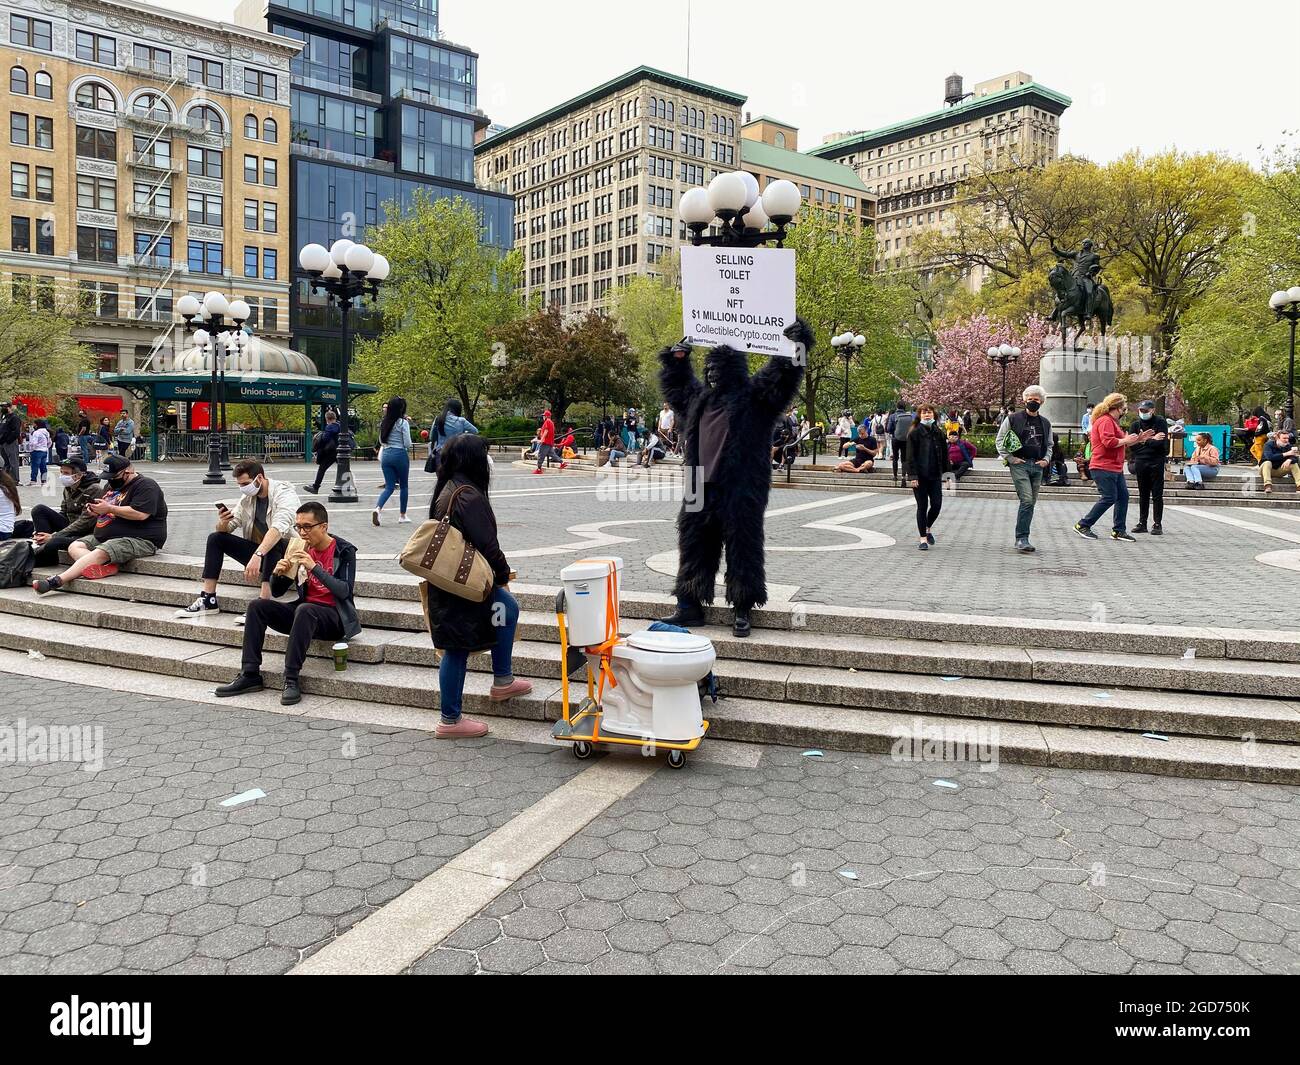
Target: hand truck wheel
{"x": 581, "y": 749}
{"x": 676, "y": 759}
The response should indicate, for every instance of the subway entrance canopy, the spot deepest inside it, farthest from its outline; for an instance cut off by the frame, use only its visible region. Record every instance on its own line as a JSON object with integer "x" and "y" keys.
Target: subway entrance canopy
{"x": 262, "y": 373}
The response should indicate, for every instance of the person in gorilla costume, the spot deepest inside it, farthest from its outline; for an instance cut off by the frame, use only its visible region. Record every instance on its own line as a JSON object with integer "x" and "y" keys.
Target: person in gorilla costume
{"x": 727, "y": 421}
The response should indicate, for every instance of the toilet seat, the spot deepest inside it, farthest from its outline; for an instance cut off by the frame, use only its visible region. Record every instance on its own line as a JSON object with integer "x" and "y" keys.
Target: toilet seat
{"x": 675, "y": 643}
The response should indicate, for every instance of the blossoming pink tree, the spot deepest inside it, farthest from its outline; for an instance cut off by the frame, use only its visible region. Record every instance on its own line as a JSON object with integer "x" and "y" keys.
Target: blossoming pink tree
{"x": 963, "y": 377}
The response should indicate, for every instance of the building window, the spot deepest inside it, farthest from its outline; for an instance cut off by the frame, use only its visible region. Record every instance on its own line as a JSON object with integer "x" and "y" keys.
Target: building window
{"x": 20, "y": 181}
{"x": 96, "y": 194}
{"x": 153, "y": 151}
{"x": 270, "y": 131}
{"x": 45, "y": 292}
{"x": 206, "y": 118}
{"x": 18, "y": 128}
{"x": 259, "y": 83}
{"x": 270, "y": 172}
{"x": 205, "y": 72}
{"x": 270, "y": 263}
{"x": 250, "y": 262}
{"x": 203, "y": 208}
{"x": 147, "y": 193}
{"x": 45, "y": 183}
{"x": 250, "y": 127}
{"x": 20, "y": 234}
{"x": 18, "y": 81}
{"x": 155, "y": 246}
{"x": 250, "y": 215}
{"x": 96, "y": 48}
{"x": 151, "y": 105}
{"x": 270, "y": 314}
{"x": 44, "y": 85}
{"x": 156, "y": 60}
{"x": 96, "y": 245}
{"x": 96, "y": 143}
{"x": 44, "y": 132}
{"x": 270, "y": 223}
{"x": 95, "y": 96}
{"x": 204, "y": 257}
{"x": 31, "y": 33}
{"x": 204, "y": 162}
{"x": 250, "y": 169}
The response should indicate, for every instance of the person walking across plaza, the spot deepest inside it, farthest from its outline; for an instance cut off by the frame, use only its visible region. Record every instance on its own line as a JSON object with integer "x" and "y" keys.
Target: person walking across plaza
{"x": 458, "y": 626}
{"x": 1280, "y": 456}
{"x": 925, "y": 461}
{"x": 1107, "y": 467}
{"x": 394, "y": 458}
{"x": 131, "y": 523}
{"x": 53, "y": 530}
{"x": 1024, "y": 443}
{"x": 327, "y": 450}
{"x": 546, "y": 442}
{"x": 1204, "y": 463}
{"x": 1147, "y": 461}
{"x": 896, "y": 429}
{"x": 325, "y": 569}
{"x": 38, "y": 457}
{"x": 255, "y": 533}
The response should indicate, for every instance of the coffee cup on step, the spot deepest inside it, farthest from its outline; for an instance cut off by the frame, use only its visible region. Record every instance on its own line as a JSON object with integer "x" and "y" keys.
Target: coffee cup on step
{"x": 340, "y": 657}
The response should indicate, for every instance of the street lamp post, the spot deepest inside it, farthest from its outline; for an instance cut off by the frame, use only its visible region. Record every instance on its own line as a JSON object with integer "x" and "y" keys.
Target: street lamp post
{"x": 1286, "y": 304}
{"x": 846, "y": 346}
{"x": 733, "y": 200}
{"x": 1004, "y": 355}
{"x": 347, "y": 273}
{"x": 217, "y": 338}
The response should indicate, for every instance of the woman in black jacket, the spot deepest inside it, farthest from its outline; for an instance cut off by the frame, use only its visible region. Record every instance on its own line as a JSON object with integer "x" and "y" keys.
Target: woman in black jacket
{"x": 925, "y": 461}
{"x": 460, "y": 627}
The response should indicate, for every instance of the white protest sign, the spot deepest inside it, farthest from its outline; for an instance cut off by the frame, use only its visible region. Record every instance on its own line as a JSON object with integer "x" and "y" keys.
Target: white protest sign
{"x": 743, "y": 297}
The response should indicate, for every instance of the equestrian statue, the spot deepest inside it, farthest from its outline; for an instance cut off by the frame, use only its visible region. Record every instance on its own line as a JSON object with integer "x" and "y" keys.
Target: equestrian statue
{"x": 1080, "y": 293}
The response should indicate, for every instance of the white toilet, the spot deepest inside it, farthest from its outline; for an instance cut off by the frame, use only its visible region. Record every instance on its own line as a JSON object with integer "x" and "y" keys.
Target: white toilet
{"x": 657, "y": 693}
{"x": 657, "y": 673}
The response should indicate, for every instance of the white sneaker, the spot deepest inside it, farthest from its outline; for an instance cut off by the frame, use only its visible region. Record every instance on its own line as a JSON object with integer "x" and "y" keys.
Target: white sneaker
{"x": 374, "y": 518}
{"x": 403, "y": 521}
{"x": 204, "y": 604}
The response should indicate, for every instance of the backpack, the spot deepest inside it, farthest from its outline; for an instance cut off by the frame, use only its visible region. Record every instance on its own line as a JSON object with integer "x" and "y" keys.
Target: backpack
{"x": 17, "y": 560}
{"x": 902, "y": 422}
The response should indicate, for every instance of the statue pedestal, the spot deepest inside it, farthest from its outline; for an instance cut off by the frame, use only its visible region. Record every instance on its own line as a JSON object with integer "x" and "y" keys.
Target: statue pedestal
{"x": 1072, "y": 380}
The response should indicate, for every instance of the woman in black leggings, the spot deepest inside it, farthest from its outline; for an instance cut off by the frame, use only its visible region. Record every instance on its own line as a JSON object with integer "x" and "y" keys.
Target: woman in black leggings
{"x": 925, "y": 461}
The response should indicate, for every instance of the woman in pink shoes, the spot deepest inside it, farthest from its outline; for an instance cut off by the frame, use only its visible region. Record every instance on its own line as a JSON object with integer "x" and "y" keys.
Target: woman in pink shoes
{"x": 460, "y": 627}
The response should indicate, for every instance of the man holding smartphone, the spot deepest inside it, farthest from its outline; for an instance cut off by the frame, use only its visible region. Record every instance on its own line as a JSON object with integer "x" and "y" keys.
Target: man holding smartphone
{"x": 254, "y": 532}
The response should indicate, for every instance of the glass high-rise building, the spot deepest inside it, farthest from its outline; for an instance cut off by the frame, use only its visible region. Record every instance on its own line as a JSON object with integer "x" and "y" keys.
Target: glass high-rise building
{"x": 382, "y": 106}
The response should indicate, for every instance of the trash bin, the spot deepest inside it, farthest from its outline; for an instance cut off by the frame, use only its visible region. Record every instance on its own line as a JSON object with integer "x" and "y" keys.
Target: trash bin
{"x": 589, "y": 597}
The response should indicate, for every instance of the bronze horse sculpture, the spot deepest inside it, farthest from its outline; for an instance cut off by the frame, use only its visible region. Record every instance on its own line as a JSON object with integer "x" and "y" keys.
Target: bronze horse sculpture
{"x": 1073, "y": 302}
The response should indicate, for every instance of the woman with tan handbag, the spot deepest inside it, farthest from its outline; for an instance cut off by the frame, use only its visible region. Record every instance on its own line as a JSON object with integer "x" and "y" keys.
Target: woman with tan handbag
{"x": 461, "y": 626}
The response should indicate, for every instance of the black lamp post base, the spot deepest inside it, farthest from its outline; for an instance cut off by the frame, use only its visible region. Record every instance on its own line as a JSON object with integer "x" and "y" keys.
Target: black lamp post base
{"x": 338, "y": 495}
{"x": 213, "y": 477}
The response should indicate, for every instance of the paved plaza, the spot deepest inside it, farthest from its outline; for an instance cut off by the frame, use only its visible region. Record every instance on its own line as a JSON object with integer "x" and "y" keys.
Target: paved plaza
{"x": 754, "y": 859}
{"x": 850, "y": 548}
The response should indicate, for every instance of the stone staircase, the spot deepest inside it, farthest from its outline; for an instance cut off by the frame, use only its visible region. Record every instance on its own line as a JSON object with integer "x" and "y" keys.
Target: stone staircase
{"x": 1240, "y": 487}
{"x": 1222, "y": 703}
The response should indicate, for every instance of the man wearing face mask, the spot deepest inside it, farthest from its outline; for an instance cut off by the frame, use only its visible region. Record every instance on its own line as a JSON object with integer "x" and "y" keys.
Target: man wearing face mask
{"x": 130, "y": 523}
{"x": 53, "y": 530}
{"x": 255, "y": 533}
{"x": 1024, "y": 443}
{"x": 1147, "y": 461}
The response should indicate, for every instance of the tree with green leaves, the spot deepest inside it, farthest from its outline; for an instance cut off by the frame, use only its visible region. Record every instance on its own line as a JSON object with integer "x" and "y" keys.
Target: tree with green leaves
{"x": 648, "y": 311}
{"x": 39, "y": 354}
{"x": 836, "y": 291}
{"x": 1230, "y": 344}
{"x": 446, "y": 294}
{"x": 548, "y": 359}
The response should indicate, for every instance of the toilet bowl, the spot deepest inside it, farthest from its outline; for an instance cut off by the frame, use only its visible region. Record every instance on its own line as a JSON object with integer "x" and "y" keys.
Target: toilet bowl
{"x": 656, "y": 693}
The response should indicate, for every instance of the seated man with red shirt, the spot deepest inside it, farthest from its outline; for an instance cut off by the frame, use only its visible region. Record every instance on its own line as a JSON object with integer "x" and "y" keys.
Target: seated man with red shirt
{"x": 325, "y": 568}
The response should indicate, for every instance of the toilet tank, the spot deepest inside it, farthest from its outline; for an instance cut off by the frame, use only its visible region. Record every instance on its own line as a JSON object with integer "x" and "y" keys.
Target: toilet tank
{"x": 587, "y": 596}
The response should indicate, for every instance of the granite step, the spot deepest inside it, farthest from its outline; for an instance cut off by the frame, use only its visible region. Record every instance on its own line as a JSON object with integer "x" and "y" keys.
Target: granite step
{"x": 903, "y": 732}
{"x": 803, "y": 624}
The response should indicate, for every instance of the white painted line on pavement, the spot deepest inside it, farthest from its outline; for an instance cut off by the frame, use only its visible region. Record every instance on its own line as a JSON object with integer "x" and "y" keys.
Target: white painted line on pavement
{"x": 398, "y": 934}
{"x": 1210, "y": 514}
{"x": 800, "y": 507}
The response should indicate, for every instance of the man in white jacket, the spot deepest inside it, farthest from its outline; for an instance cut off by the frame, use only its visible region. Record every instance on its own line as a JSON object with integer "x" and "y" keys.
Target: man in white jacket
{"x": 255, "y": 531}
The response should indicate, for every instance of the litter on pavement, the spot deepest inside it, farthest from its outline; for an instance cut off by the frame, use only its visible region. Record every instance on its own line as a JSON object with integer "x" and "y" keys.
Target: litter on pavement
{"x": 244, "y": 796}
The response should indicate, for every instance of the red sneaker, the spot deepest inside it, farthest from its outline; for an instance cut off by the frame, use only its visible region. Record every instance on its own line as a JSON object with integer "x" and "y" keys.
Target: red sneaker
{"x": 564, "y": 465}
{"x": 539, "y": 470}
{"x": 95, "y": 573}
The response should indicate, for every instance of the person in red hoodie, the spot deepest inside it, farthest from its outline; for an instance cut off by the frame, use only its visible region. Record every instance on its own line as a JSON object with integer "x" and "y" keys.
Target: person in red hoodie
{"x": 546, "y": 442}
{"x": 1107, "y": 466}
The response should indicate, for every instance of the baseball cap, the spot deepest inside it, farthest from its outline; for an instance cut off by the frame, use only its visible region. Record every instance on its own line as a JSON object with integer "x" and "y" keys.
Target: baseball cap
{"x": 1147, "y": 404}
{"x": 74, "y": 463}
{"x": 114, "y": 465}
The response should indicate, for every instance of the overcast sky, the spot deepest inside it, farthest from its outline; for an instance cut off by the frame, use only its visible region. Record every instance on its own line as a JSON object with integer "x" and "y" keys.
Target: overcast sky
{"x": 1142, "y": 73}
